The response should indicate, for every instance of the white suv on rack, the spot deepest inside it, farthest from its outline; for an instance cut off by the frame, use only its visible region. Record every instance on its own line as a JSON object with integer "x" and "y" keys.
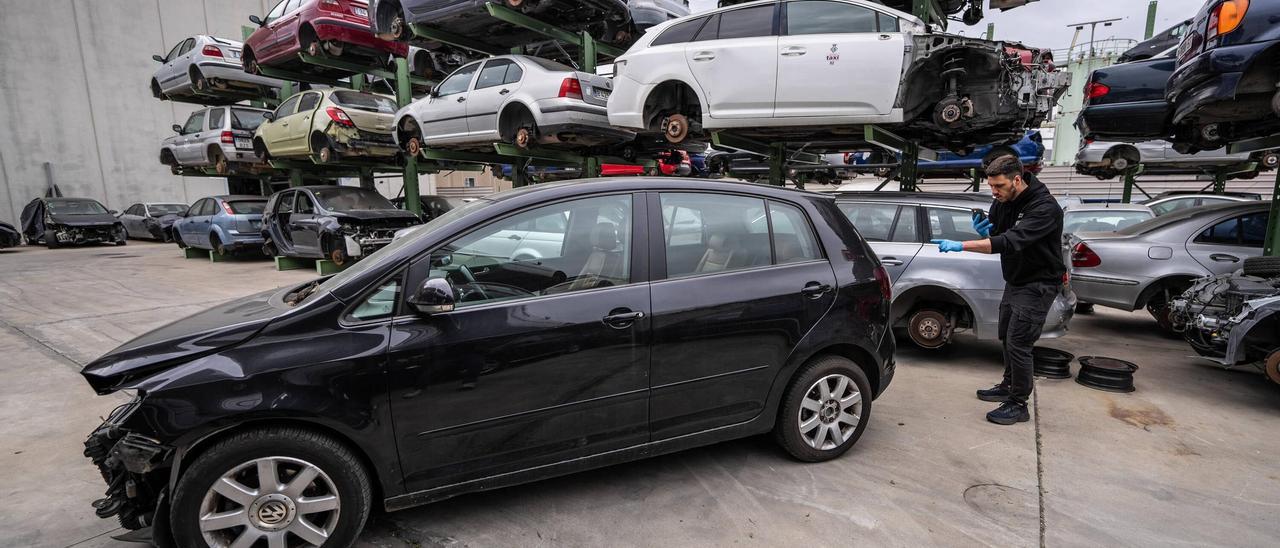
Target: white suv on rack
{"x": 782, "y": 68}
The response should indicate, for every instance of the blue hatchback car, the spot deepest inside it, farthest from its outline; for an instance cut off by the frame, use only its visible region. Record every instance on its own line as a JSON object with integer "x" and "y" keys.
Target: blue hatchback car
{"x": 224, "y": 224}
{"x": 1030, "y": 150}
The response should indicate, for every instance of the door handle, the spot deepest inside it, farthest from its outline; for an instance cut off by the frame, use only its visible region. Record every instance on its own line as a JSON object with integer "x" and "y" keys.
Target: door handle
{"x": 794, "y": 51}
{"x": 622, "y": 318}
{"x": 284, "y": 124}
{"x": 1224, "y": 258}
{"x": 885, "y": 37}
{"x": 504, "y": 92}
{"x": 704, "y": 56}
{"x": 461, "y": 99}
{"x": 890, "y": 261}
{"x": 814, "y": 290}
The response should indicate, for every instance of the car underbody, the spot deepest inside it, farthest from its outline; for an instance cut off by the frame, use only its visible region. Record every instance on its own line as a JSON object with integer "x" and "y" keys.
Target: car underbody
{"x": 1233, "y": 319}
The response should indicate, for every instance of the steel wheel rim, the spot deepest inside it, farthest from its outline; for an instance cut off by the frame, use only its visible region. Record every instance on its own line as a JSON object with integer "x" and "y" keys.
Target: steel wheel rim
{"x": 830, "y": 412}
{"x": 235, "y": 514}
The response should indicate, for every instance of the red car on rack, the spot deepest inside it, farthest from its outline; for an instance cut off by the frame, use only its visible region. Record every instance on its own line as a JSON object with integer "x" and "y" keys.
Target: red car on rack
{"x": 321, "y": 28}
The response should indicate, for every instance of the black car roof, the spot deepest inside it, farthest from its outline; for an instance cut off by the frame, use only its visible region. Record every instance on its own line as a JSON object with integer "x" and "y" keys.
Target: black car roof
{"x": 634, "y": 184}
{"x": 899, "y": 195}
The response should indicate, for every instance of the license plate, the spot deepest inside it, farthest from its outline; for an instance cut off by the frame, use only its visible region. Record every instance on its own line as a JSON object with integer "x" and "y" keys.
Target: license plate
{"x": 360, "y": 11}
{"x": 244, "y": 143}
{"x": 600, "y": 93}
{"x": 233, "y": 54}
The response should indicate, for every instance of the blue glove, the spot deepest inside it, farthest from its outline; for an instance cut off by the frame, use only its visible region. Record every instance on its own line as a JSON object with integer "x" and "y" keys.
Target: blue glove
{"x": 948, "y": 245}
{"x": 982, "y": 226}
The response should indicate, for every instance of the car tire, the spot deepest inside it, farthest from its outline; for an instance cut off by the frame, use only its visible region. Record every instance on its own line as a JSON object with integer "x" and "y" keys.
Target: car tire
{"x": 50, "y": 240}
{"x": 1262, "y": 267}
{"x": 337, "y": 492}
{"x": 1084, "y": 308}
{"x": 177, "y": 239}
{"x": 269, "y": 249}
{"x": 219, "y": 161}
{"x": 929, "y": 328}
{"x": 122, "y": 236}
{"x": 218, "y": 247}
{"x": 335, "y": 253}
{"x": 813, "y": 419}
{"x": 155, "y": 90}
{"x": 198, "y": 82}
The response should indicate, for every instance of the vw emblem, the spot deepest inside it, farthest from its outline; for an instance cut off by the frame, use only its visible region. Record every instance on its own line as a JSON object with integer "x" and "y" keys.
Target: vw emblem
{"x": 272, "y": 512}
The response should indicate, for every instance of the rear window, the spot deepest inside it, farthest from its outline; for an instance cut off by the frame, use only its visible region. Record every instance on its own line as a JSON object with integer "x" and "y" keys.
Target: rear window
{"x": 550, "y": 65}
{"x": 364, "y": 101}
{"x": 247, "y": 207}
{"x": 246, "y": 119}
{"x": 1101, "y": 220}
{"x": 351, "y": 199}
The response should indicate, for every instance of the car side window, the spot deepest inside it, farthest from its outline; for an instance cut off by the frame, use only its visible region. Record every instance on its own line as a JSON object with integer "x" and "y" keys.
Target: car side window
{"x": 747, "y": 22}
{"x": 888, "y": 23}
{"x": 578, "y": 245}
{"x": 951, "y": 224}
{"x": 679, "y": 33}
{"x": 710, "y": 31}
{"x": 173, "y": 53}
{"x": 793, "y": 237}
{"x": 293, "y": 5}
{"x": 514, "y": 74}
{"x": 458, "y": 81}
{"x": 309, "y": 102}
{"x": 904, "y": 229}
{"x": 303, "y": 205}
{"x": 726, "y": 230}
{"x": 874, "y": 222}
{"x": 284, "y": 204}
{"x": 494, "y": 73}
{"x": 195, "y": 123}
{"x": 826, "y": 17}
{"x": 195, "y": 208}
{"x": 215, "y": 118}
{"x": 378, "y": 305}
{"x": 187, "y": 46}
{"x": 288, "y": 107}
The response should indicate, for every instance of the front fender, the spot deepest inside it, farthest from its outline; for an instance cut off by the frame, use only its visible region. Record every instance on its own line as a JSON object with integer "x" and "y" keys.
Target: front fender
{"x": 1255, "y": 312}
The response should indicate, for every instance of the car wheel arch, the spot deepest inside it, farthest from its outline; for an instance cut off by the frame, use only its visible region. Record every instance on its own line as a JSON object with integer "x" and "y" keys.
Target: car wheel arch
{"x": 657, "y": 99}
{"x": 909, "y": 299}
{"x": 1159, "y": 284}
{"x": 509, "y": 117}
{"x": 387, "y": 10}
{"x": 1125, "y": 150}
{"x": 408, "y": 127}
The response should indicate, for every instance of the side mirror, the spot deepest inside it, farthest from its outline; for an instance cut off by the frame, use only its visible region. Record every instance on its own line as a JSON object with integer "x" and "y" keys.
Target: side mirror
{"x": 158, "y": 58}
{"x": 434, "y": 297}
{"x": 113, "y": 212}
{"x": 435, "y": 91}
{"x": 177, "y": 128}
{"x": 269, "y": 116}
{"x": 257, "y": 20}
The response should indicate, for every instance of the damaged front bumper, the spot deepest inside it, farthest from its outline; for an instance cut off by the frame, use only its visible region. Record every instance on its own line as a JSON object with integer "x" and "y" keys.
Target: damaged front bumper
{"x": 133, "y": 466}
{"x": 1224, "y": 318}
{"x": 363, "y": 241}
{"x": 78, "y": 235}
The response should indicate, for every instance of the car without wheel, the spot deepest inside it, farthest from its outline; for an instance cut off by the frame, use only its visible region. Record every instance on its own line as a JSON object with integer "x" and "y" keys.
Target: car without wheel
{"x": 341, "y": 224}
{"x": 1148, "y": 264}
{"x": 151, "y": 221}
{"x": 329, "y": 125}
{"x": 216, "y": 137}
{"x": 319, "y": 28}
{"x": 935, "y": 295}
{"x": 208, "y": 68}
{"x": 222, "y": 224}
{"x": 821, "y": 70}
{"x": 606, "y": 20}
{"x": 9, "y": 236}
{"x": 55, "y": 222}
{"x": 518, "y": 99}
{"x": 1126, "y": 102}
{"x": 1226, "y": 87}
{"x": 1108, "y": 159}
{"x": 433, "y": 369}
{"x": 1234, "y": 319}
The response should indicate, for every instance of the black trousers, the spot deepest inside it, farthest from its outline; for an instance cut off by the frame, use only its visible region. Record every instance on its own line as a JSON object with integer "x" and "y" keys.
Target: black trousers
{"x": 1022, "y": 313}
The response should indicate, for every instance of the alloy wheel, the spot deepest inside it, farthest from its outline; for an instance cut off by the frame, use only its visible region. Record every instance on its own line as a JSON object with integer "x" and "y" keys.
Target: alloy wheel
{"x": 830, "y": 412}
{"x": 272, "y": 498}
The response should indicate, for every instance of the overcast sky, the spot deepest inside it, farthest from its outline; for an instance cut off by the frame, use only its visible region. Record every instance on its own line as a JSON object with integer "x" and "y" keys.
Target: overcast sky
{"x": 1044, "y": 23}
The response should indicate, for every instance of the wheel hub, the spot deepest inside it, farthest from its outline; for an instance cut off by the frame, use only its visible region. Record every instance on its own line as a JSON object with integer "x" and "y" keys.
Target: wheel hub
{"x": 272, "y": 512}
{"x": 929, "y": 328}
{"x": 414, "y": 146}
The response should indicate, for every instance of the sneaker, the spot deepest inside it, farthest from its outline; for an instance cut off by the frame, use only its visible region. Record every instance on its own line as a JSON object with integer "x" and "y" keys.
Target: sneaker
{"x": 1009, "y": 413}
{"x": 997, "y": 393}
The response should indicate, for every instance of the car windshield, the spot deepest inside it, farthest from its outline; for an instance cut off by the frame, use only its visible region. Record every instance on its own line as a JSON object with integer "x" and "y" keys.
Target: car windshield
{"x": 166, "y": 209}
{"x": 377, "y": 258}
{"x": 364, "y": 101}
{"x": 351, "y": 199}
{"x": 75, "y": 207}
{"x": 247, "y": 207}
{"x": 246, "y": 119}
{"x": 1102, "y": 220}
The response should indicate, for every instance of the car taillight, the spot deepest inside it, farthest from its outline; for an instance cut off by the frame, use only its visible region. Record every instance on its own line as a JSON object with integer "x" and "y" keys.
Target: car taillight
{"x": 227, "y": 208}
{"x": 211, "y": 51}
{"x": 1226, "y": 17}
{"x": 339, "y": 117}
{"x": 571, "y": 88}
{"x": 1088, "y": 141}
{"x": 886, "y": 285}
{"x": 228, "y": 138}
{"x": 1083, "y": 257}
{"x": 330, "y": 4}
{"x": 1093, "y": 90}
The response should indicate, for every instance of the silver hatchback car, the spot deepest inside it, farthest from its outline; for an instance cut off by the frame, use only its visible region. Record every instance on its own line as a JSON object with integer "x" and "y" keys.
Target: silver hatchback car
{"x": 1150, "y": 263}
{"x": 204, "y": 65}
{"x": 217, "y": 137}
{"x": 935, "y": 295}
{"x": 513, "y": 98}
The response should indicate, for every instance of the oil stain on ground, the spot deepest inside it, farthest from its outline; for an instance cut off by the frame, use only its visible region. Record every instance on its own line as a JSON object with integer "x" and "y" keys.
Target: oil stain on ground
{"x": 1144, "y": 416}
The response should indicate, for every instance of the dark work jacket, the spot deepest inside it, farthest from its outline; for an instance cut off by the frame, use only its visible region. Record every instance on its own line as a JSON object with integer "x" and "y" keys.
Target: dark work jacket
{"x": 1027, "y": 233}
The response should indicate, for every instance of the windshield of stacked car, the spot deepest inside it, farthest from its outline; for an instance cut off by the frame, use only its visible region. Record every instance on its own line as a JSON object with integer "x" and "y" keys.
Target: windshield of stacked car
{"x": 364, "y": 101}
{"x": 75, "y": 207}
{"x": 166, "y": 209}
{"x": 246, "y": 119}
{"x": 247, "y": 207}
{"x": 1101, "y": 220}
{"x": 350, "y": 199}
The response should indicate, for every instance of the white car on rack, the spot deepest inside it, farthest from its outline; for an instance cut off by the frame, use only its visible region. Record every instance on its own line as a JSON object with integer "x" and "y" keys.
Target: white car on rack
{"x": 817, "y": 69}
{"x": 204, "y": 66}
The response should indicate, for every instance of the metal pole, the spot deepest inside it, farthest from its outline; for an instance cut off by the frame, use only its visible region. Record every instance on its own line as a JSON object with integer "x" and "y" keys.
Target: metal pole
{"x": 910, "y": 164}
{"x": 777, "y": 160}
{"x": 591, "y": 166}
{"x": 286, "y": 90}
{"x": 976, "y": 177}
{"x": 1270, "y": 248}
{"x": 295, "y": 177}
{"x": 404, "y": 95}
{"x": 1127, "y": 197}
{"x": 1151, "y": 20}
{"x": 357, "y": 82}
{"x": 1219, "y": 182}
{"x": 588, "y": 53}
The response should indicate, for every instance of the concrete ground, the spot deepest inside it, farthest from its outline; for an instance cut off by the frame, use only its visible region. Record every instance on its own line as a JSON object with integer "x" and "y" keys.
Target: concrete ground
{"x": 1187, "y": 459}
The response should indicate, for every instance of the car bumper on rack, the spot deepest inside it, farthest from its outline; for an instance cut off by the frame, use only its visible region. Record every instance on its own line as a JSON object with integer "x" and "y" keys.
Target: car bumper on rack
{"x": 354, "y": 33}
{"x": 1211, "y": 78}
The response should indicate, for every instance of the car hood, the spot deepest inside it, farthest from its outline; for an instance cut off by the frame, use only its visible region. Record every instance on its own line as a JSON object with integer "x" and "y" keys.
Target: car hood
{"x": 376, "y": 214}
{"x": 167, "y": 220}
{"x": 84, "y": 220}
{"x": 194, "y": 336}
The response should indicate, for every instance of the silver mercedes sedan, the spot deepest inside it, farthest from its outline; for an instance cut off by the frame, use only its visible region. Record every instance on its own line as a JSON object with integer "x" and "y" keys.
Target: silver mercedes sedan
{"x": 1148, "y": 264}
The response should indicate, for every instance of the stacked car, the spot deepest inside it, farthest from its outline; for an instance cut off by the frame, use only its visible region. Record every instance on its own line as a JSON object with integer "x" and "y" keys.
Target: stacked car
{"x": 57, "y": 221}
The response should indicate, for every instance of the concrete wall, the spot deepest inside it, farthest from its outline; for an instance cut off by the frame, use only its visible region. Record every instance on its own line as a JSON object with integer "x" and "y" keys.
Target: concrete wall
{"x": 73, "y": 93}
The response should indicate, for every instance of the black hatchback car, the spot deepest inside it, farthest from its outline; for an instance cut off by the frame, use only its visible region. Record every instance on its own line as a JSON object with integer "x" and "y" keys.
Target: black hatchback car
{"x": 660, "y": 314}
{"x": 338, "y": 223}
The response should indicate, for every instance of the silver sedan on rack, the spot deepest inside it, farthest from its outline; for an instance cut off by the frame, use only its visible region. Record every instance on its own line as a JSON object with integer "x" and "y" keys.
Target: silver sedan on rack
{"x": 518, "y": 99}
{"x": 206, "y": 66}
